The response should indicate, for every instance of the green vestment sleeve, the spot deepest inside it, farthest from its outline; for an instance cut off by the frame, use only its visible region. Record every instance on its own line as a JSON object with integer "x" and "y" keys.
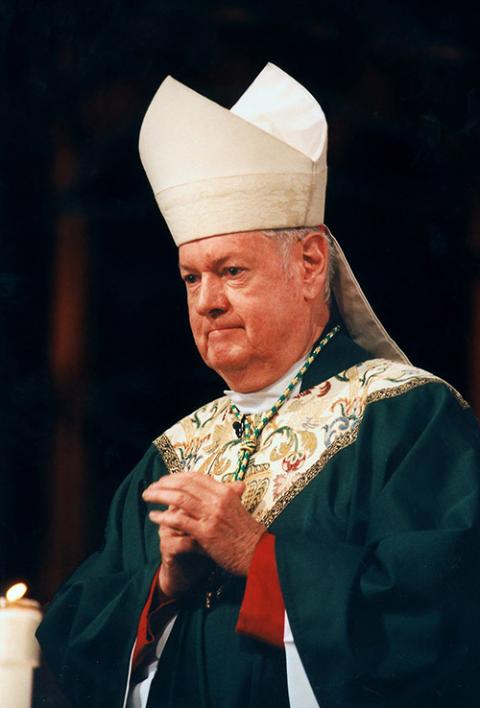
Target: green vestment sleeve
{"x": 90, "y": 627}
{"x": 379, "y": 560}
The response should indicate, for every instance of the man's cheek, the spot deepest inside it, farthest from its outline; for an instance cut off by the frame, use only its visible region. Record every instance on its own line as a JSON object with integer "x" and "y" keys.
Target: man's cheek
{"x": 195, "y": 326}
{"x": 199, "y": 339}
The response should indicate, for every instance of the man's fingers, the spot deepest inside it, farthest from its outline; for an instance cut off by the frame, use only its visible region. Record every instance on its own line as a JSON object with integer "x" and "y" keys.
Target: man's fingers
{"x": 178, "y": 545}
{"x": 174, "y": 481}
{"x": 179, "y": 499}
{"x": 186, "y": 480}
{"x": 170, "y": 531}
{"x": 195, "y": 484}
{"x": 238, "y": 487}
{"x": 153, "y": 492}
{"x": 206, "y": 493}
{"x": 177, "y": 520}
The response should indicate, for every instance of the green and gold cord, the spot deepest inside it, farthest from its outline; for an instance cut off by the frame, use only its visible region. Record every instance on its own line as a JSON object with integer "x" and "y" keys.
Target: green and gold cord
{"x": 250, "y": 438}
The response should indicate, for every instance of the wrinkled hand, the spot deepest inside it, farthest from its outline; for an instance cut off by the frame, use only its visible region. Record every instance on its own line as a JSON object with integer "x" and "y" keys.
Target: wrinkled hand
{"x": 211, "y": 514}
{"x": 183, "y": 562}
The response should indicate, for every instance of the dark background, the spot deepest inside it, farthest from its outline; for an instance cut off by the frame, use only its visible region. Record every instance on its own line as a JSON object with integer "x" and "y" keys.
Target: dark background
{"x": 95, "y": 355}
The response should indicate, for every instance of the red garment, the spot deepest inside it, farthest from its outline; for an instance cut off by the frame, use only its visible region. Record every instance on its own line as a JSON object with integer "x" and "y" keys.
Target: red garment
{"x": 262, "y": 613}
{"x": 155, "y": 615}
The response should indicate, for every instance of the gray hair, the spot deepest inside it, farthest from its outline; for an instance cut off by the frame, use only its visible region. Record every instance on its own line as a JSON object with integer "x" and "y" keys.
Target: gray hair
{"x": 286, "y": 238}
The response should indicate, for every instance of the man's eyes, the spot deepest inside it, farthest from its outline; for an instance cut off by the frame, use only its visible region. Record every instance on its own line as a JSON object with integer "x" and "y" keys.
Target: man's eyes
{"x": 230, "y": 271}
{"x": 233, "y": 271}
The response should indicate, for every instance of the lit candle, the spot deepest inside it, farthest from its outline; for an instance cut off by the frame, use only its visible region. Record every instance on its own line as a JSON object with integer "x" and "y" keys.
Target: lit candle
{"x": 19, "y": 650}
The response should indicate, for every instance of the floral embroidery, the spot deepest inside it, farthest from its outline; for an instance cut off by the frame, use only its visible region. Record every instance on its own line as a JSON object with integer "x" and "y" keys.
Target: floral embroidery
{"x": 323, "y": 389}
{"x": 292, "y": 461}
{"x": 296, "y": 444}
{"x": 279, "y": 484}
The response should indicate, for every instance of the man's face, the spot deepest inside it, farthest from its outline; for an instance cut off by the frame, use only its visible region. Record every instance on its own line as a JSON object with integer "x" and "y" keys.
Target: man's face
{"x": 247, "y": 312}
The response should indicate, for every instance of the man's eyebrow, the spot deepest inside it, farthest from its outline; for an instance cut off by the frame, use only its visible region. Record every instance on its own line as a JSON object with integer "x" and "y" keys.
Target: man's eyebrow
{"x": 215, "y": 263}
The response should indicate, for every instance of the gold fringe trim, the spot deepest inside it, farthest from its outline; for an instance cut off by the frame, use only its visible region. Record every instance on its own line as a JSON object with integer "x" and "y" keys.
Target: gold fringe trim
{"x": 420, "y": 381}
{"x": 169, "y": 456}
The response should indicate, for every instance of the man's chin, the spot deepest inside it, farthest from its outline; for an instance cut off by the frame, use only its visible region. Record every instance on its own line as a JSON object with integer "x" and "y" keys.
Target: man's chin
{"x": 225, "y": 360}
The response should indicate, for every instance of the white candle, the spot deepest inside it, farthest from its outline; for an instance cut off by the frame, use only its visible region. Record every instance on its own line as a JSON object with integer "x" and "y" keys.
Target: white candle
{"x": 19, "y": 650}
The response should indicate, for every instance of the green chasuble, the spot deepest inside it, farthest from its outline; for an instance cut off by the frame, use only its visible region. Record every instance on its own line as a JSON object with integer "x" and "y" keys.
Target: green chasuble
{"x": 369, "y": 480}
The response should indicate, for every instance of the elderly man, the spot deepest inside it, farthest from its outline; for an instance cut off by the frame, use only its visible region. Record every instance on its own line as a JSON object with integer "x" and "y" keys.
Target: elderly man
{"x": 312, "y": 537}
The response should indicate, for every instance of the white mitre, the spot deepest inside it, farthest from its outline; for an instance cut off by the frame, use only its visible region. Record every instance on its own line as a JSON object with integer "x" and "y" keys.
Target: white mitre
{"x": 260, "y": 165}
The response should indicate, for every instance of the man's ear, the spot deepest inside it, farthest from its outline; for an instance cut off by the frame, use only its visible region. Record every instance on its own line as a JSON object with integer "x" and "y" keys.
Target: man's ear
{"x": 315, "y": 264}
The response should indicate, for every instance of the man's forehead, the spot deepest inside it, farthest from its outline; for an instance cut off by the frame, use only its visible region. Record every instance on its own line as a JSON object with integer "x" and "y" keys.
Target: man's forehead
{"x": 220, "y": 247}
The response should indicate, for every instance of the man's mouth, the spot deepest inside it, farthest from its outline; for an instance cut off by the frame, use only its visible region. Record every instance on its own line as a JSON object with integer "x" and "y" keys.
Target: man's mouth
{"x": 220, "y": 330}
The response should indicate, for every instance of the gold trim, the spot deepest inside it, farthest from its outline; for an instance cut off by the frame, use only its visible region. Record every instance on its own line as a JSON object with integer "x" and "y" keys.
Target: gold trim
{"x": 169, "y": 456}
{"x": 347, "y": 439}
{"x": 420, "y": 381}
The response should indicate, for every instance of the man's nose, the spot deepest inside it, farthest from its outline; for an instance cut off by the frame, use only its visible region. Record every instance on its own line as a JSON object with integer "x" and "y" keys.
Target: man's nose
{"x": 211, "y": 300}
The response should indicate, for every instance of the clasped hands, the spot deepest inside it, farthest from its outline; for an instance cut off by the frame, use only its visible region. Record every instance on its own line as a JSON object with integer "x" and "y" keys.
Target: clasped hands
{"x": 205, "y": 520}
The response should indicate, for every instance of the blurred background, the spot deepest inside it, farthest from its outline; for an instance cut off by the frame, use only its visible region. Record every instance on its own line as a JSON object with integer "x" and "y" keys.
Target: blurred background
{"x": 95, "y": 354}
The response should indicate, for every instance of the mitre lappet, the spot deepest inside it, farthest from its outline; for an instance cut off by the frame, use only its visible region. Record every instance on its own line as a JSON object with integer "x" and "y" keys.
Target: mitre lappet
{"x": 260, "y": 165}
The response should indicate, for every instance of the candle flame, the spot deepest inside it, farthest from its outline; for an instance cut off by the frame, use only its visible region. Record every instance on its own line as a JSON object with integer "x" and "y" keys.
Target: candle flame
{"x": 16, "y": 592}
